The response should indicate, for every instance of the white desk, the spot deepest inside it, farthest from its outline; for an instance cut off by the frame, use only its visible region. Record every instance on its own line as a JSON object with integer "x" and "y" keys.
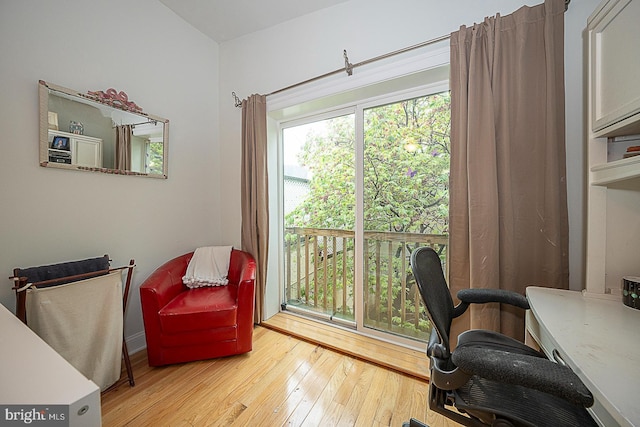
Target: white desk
{"x": 33, "y": 375}
{"x": 599, "y": 338}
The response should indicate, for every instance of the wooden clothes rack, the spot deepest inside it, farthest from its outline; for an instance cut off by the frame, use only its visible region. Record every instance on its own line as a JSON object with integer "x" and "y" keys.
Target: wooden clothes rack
{"x": 21, "y": 284}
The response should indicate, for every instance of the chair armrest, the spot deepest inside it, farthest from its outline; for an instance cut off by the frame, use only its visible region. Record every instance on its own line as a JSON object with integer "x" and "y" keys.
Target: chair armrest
{"x": 528, "y": 371}
{"x": 165, "y": 282}
{"x": 242, "y": 270}
{"x": 242, "y": 266}
{"x": 246, "y": 300}
{"x": 483, "y": 296}
{"x": 158, "y": 289}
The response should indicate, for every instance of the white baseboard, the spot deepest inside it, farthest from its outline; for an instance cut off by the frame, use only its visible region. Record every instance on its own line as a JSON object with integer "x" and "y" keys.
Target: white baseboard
{"x": 136, "y": 342}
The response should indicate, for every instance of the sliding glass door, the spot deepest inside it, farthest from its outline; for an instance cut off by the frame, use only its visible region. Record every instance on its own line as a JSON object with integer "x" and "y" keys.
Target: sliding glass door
{"x": 405, "y": 205}
{"x": 362, "y": 187}
{"x": 319, "y": 216}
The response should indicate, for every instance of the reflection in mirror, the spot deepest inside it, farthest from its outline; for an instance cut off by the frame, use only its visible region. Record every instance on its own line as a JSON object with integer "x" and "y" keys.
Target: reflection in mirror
{"x": 103, "y": 132}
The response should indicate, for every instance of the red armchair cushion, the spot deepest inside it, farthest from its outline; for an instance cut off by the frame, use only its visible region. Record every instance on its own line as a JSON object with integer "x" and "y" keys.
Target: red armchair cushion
{"x": 199, "y": 309}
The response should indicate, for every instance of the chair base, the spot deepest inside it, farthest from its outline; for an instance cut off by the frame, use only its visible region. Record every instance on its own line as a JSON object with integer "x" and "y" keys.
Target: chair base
{"x": 497, "y": 404}
{"x": 414, "y": 423}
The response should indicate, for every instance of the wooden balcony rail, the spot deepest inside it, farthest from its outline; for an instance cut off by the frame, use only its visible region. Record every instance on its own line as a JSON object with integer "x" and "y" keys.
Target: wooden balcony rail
{"x": 319, "y": 276}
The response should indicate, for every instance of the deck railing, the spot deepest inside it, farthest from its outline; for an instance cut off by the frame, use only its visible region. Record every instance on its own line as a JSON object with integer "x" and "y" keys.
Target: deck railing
{"x": 319, "y": 276}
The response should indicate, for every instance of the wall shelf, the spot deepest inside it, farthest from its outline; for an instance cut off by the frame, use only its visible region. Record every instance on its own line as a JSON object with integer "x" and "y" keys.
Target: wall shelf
{"x": 615, "y": 171}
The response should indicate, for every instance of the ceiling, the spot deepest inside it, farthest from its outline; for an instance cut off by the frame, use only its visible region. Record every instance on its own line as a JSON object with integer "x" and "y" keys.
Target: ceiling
{"x": 223, "y": 20}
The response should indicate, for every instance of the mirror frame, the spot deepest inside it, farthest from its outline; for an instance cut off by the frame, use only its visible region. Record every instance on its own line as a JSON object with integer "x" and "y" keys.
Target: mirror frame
{"x": 94, "y": 97}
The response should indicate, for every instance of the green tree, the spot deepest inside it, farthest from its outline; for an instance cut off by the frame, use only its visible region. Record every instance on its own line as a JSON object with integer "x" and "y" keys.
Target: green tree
{"x": 155, "y": 157}
{"x": 330, "y": 160}
{"x": 406, "y": 166}
{"x": 406, "y": 170}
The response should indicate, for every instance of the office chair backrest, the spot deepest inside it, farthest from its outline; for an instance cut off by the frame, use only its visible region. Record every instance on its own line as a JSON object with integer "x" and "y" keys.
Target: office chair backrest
{"x": 427, "y": 269}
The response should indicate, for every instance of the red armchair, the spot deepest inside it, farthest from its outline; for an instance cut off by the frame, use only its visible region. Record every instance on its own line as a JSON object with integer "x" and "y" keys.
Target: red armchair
{"x": 183, "y": 324}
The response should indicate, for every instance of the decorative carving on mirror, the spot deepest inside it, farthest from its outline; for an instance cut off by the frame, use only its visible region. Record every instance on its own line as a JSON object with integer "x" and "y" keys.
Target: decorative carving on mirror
{"x": 101, "y": 131}
{"x": 114, "y": 98}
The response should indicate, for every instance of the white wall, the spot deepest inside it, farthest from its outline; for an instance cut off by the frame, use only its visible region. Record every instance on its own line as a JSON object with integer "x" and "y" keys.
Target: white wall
{"x": 166, "y": 67}
{"x": 312, "y": 45}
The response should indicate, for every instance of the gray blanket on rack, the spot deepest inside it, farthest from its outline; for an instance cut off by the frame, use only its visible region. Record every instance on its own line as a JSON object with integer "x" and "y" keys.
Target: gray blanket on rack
{"x": 64, "y": 269}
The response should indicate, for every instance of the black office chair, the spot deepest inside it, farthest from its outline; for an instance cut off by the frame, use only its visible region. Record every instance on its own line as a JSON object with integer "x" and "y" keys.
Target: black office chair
{"x": 491, "y": 379}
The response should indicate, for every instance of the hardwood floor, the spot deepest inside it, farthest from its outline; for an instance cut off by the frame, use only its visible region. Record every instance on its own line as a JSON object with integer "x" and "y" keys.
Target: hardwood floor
{"x": 284, "y": 381}
{"x": 401, "y": 359}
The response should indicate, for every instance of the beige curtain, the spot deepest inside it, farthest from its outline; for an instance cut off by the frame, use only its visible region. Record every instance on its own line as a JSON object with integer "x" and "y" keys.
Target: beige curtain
{"x": 123, "y": 147}
{"x": 508, "y": 213}
{"x": 255, "y": 194}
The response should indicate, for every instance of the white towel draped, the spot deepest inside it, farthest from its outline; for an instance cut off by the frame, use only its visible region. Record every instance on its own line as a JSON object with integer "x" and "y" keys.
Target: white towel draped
{"x": 83, "y": 322}
{"x": 209, "y": 266}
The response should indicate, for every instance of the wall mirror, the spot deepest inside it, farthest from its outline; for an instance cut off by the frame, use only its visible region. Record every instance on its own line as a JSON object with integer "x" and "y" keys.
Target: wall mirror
{"x": 101, "y": 132}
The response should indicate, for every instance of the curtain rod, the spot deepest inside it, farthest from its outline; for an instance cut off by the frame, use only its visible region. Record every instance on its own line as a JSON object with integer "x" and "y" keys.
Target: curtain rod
{"x": 154, "y": 122}
{"x": 348, "y": 67}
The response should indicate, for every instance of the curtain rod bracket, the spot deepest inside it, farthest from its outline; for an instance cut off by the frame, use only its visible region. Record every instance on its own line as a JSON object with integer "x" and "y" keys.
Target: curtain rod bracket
{"x": 348, "y": 67}
{"x": 236, "y": 100}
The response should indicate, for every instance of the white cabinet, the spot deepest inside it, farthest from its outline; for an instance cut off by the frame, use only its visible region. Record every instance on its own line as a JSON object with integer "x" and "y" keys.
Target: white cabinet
{"x": 34, "y": 376}
{"x": 584, "y": 332}
{"x": 72, "y": 149}
{"x": 613, "y": 199}
{"x": 614, "y": 37}
{"x": 87, "y": 151}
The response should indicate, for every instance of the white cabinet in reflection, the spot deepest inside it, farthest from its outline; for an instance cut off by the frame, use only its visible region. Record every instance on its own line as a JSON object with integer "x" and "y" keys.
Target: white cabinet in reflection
{"x": 72, "y": 149}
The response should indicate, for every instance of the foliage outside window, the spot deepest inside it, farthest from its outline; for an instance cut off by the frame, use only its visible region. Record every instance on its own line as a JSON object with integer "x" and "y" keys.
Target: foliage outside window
{"x": 155, "y": 157}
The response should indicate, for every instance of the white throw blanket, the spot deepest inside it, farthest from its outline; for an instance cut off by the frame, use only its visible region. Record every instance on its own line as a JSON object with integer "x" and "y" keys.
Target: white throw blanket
{"x": 209, "y": 266}
{"x": 83, "y": 322}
